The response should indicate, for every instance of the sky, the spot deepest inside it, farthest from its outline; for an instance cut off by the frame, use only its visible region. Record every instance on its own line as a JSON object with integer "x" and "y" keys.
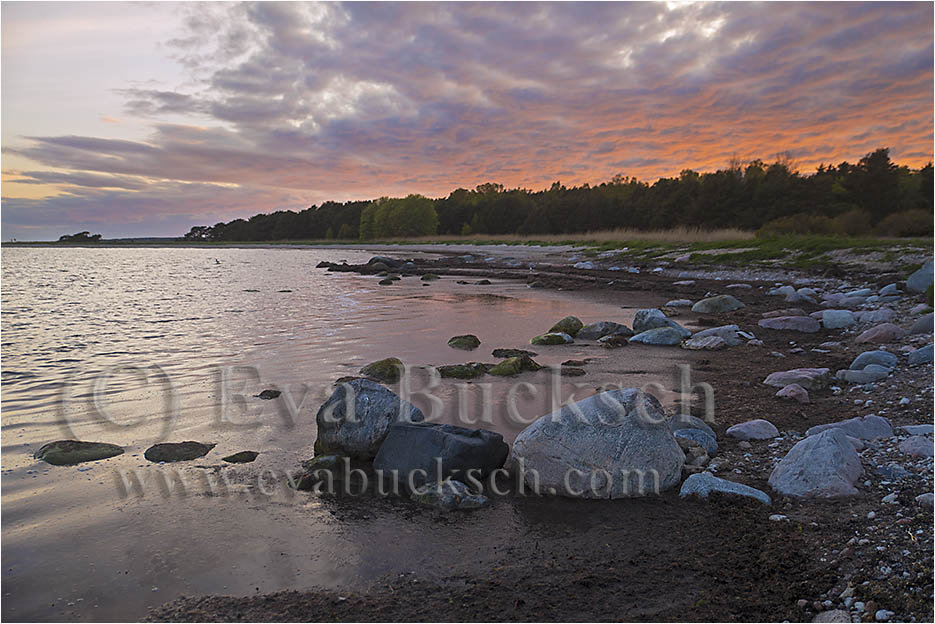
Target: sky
{"x": 145, "y": 119}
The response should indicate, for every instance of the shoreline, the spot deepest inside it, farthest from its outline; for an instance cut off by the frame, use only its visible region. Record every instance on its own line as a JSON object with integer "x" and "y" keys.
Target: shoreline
{"x": 798, "y": 567}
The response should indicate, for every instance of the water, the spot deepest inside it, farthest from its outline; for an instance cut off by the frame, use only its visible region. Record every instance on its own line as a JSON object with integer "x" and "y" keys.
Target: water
{"x": 138, "y": 346}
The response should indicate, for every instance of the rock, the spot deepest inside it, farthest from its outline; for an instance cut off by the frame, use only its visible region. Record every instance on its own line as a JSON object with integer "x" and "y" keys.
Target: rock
{"x": 574, "y": 362}
{"x": 730, "y": 334}
{"x": 385, "y": 282}
{"x": 705, "y": 343}
{"x": 570, "y": 325}
{"x": 705, "y": 483}
{"x": 679, "y": 303}
{"x": 917, "y": 446}
{"x": 757, "y": 429}
{"x": 882, "y": 615}
{"x": 833, "y": 616}
{"x": 684, "y": 282}
{"x": 508, "y": 353}
{"x": 360, "y": 433}
{"x": 611, "y": 445}
{"x": 919, "y": 281}
{"x": 777, "y": 518}
{"x": 514, "y": 366}
{"x": 177, "y": 451}
{"x": 430, "y": 277}
{"x": 804, "y": 324}
{"x": 388, "y": 370}
{"x": 837, "y": 319}
{"x": 881, "y": 358}
{"x": 554, "y": 338}
{"x": 267, "y": 395}
{"x": 808, "y": 378}
{"x": 797, "y": 297}
{"x": 448, "y": 496}
{"x": 918, "y": 429}
{"x": 388, "y": 262}
{"x": 820, "y": 466}
{"x": 70, "y": 452}
{"x": 483, "y": 282}
{"x": 571, "y": 371}
{"x": 923, "y": 325}
{"x": 885, "y": 332}
{"x": 471, "y": 370}
{"x": 922, "y": 355}
{"x": 893, "y": 472}
{"x": 717, "y": 305}
{"x": 869, "y": 427}
{"x": 661, "y": 336}
{"x": 784, "y": 312}
{"x": 869, "y": 374}
{"x": 243, "y": 457}
{"x": 595, "y": 331}
{"x": 699, "y": 436}
{"x": 421, "y": 452}
{"x": 925, "y": 500}
{"x": 920, "y": 308}
{"x": 586, "y": 265}
{"x": 891, "y": 289}
{"x": 686, "y": 421}
{"x": 795, "y": 392}
{"x": 740, "y": 286}
{"x": 883, "y": 315}
{"x": 654, "y": 319}
{"x": 614, "y": 340}
{"x": 467, "y": 342}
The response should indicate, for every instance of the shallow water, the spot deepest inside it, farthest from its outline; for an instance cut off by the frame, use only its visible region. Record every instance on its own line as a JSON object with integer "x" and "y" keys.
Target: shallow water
{"x": 138, "y": 346}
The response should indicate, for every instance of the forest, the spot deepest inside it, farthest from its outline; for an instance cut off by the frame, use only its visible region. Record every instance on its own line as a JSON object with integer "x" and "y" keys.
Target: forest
{"x": 872, "y": 197}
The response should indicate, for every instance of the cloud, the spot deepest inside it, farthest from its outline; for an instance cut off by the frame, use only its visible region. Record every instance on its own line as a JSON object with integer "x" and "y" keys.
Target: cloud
{"x": 347, "y": 101}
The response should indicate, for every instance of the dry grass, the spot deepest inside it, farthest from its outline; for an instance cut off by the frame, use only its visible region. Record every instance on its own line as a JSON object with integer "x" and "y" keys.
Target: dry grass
{"x": 675, "y": 235}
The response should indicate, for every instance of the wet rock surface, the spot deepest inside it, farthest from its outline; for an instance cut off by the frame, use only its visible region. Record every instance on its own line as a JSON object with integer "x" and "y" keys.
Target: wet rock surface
{"x": 177, "y": 451}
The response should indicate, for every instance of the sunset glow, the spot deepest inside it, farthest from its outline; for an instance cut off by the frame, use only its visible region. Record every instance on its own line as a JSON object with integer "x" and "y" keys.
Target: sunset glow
{"x": 147, "y": 119}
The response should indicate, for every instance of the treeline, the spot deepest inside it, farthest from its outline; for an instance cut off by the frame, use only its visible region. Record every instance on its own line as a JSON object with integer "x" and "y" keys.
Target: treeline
{"x": 873, "y": 196}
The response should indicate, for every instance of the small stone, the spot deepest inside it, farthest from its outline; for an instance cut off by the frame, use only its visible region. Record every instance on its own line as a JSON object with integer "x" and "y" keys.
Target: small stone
{"x": 777, "y": 517}
{"x": 744, "y": 445}
{"x": 757, "y": 429}
{"x": 883, "y": 615}
{"x": 925, "y": 500}
{"x": 268, "y": 395}
{"x": 885, "y": 332}
{"x": 795, "y": 392}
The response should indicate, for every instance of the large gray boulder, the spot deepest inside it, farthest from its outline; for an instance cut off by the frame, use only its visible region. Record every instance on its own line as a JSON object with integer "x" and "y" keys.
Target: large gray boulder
{"x": 704, "y": 484}
{"x": 919, "y": 281}
{"x": 717, "y": 305}
{"x": 883, "y": 315}
{"x": 660, "y": 336}
{"x": 869, "y": 374}
{"x": 727, "y": 332}
{"x": 820, "y": 466}
{"x": 354, "y": 421}
{"x": 421, "y": 452}
{"x": 884, "y": 332}
{"x": 612, "y": 445}
{"x": 917, "y": 446}
{"x": 654, "y": 319}
{"x": 705, "y": 343}
{"x": 881, "y": 358}
{"x": 595, "y": 331}
{"x": 869, "y": 427}
{"x": 808, "y": 378}
{"x": 804, "y": 324}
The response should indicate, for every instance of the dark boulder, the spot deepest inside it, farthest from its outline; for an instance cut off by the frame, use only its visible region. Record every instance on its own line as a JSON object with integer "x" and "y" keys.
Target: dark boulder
{"x": 69, "y": 452}
{"x": 411, "y": 447}
{"x": 177, "y": 451}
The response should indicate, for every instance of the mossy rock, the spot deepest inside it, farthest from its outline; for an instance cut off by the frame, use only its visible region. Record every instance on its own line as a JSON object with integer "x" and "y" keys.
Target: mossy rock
{"x": 472, "y": 370}
{"x": 514, "y": 366}
{"x": 69, "y": 452}
{"x": 323, "y": 462}
{"x": 177, "y": 451}
{"x": 467, "y": 342}
{"x": 385, "y": 282}
{"x": 243, "y": 457}
{"x": 554, "y": 338}
{"x": 388, "y": 370}
{"x": 508, "y": 353}
{"x": 395, "y": 278}
{"x": 383, "y": 274}
{"x": 429, "y": 277}
{"x": 570, "y": 325}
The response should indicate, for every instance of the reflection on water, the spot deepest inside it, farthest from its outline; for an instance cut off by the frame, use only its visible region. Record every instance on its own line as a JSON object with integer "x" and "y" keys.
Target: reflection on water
{"x": 134, "y": 346}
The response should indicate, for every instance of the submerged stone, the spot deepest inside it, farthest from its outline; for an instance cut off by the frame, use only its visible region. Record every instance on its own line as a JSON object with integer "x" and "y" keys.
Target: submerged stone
{"x": 471, "y": 370}
{"x": 466, "y": 342}
{"x": 387, "y": 370}
{"x": 508, "y": 353}
{"x": 553, "y": 338}
{"x": 69, "y": 452}
{"x": 177, "y": 451}
{"x": 514, "y": 366}
{"x": 570, "y": 325}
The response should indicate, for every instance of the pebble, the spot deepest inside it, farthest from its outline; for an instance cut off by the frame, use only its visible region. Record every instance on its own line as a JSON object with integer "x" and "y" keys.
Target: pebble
{"x": 883, "y": 615}
{"x": 778, "y": 517}
{"x": 871, "y": 515}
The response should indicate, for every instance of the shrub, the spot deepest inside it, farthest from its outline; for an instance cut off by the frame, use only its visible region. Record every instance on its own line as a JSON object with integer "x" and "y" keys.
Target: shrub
{"x": 854, "y": 222}
{"x": 907, "y": 223}
{"x": 798, "y": 224}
